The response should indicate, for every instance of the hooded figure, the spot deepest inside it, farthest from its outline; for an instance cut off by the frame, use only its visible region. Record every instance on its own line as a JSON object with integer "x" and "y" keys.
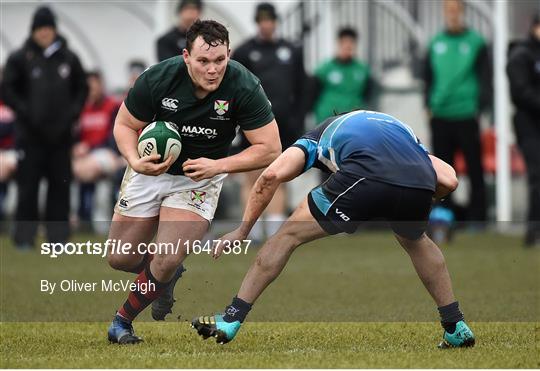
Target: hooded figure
{"x": 524, "y": 74}
{"x": 44, "y": 83}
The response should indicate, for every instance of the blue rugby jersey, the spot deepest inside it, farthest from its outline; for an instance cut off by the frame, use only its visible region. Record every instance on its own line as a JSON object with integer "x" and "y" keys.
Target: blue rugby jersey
{"x": 372, "y": 145}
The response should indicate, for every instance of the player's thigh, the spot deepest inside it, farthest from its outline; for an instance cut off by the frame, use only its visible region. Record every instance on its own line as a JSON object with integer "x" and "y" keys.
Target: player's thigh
{"x": 410, "y": 217}
{"x": 344, "y": 202}
{"x": 132, "y": 230}
{"x": 301, "y": 226}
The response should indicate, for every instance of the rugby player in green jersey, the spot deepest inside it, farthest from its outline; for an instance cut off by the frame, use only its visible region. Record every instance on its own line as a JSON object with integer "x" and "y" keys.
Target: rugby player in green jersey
{"x": 207, "y": 96}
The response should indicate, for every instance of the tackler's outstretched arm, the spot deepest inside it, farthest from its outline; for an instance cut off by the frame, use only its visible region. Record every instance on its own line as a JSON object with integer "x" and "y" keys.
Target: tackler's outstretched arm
{"x": 286, "y": 167}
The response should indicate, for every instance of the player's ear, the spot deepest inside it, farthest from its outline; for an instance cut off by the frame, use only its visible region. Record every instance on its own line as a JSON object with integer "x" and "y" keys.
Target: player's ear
{"x": 185, "y": 54}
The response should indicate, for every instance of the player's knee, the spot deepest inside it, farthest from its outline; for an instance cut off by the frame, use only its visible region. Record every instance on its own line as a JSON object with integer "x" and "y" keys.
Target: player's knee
{"x": 166, "y": 265}
{"x": 287, "y": 239}
{"x": 269, "y": 176}
{"x": 117, "y": 261}
{"x": 411, "y": 242}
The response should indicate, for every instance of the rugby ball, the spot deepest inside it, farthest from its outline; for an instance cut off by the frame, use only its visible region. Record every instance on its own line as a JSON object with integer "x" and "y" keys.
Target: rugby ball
{"x": 161, "y": 138}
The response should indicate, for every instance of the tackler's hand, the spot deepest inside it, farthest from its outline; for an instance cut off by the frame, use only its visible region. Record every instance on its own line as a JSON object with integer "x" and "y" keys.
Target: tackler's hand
{"x": 226, "y": 242}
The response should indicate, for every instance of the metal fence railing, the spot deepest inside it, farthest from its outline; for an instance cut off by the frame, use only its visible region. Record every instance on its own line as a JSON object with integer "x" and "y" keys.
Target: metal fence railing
{"x": 394, "y": 33}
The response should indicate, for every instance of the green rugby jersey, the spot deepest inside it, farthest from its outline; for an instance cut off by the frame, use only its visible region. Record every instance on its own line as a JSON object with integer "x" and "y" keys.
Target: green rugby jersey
{"x": 343, "y": 87}
{"x": 455, "y": 82}
{"x": 165, "y": 92}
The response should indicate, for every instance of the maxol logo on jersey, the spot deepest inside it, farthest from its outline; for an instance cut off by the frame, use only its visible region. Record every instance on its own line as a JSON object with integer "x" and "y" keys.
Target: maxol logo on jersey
{"x": 193, "y": 131}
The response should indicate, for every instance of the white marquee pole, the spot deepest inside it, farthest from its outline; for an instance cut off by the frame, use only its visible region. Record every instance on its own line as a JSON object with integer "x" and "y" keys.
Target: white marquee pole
{"x": 502, "y": 109}
{"x": 161, "y": 17}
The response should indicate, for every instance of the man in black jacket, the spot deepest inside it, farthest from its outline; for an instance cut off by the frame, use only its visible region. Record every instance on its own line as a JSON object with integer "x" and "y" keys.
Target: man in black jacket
{"x": 45, "y": 85}
{"x": 524, "y": 74}
{"x": 173, "y": 42}
{"x": 279, "y": 65}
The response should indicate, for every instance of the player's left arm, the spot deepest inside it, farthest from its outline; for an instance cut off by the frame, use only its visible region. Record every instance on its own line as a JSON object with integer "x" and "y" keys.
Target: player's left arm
{"x": 447, "y": 181}
{"x": 265, "y": 147}
{"x": 286, "y": 167}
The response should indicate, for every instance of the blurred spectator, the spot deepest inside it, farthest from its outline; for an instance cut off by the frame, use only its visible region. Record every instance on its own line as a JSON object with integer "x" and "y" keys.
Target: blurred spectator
{"x": 134, "y": 68}
{"x": 342, "y": 83}
{"x": 8, "y": 157}
{"x": 173, "y": 42}
{"x": 45, "y": 85}
{"x": 524, "y": 74}
{"x": 280, "y": 66}
{"x": 92, "y": 157}
{"x": 457, "y": 87}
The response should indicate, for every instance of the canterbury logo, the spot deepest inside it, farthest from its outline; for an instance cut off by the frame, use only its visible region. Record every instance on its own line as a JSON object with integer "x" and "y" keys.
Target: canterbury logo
{"x": 170, "y": 104}
{"x": 148, "y": 148}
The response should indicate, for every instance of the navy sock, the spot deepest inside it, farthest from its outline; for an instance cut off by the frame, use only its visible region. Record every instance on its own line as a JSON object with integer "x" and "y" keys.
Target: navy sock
{"x": 450, "y": 315}
{"x": 237, "y": 310}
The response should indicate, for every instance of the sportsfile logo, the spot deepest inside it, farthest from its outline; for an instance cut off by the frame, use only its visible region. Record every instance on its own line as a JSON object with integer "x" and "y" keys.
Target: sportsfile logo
{"x": 170, "y": 104}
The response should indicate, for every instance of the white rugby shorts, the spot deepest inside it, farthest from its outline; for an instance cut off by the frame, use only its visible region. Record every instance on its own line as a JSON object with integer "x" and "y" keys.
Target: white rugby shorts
{"x": 143, "y": 195}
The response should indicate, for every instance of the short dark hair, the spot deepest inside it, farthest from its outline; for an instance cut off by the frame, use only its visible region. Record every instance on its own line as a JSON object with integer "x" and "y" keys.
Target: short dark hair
{"x": 535, "y": 21}
{"x": 185, "y": 3}
{"x": 95, "y": 74}
{"x": 212, "y": 32}
{"x": 347, "y": 32}
{"x": 265, "y": 11}
{"x": 136, "y": 66}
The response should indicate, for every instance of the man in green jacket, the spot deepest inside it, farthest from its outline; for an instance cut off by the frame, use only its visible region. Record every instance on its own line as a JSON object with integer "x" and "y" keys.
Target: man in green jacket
{"x": 343, "y": 82}
{"x": 457, "y": 87}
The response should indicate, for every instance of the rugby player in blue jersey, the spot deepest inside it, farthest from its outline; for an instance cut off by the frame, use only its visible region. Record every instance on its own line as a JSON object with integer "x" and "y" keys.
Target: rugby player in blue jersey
{"x": 380, "y": 170}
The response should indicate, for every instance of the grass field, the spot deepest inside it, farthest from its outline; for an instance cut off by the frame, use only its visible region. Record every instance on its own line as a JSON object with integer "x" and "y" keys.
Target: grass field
{"x": 270, "y": 345}
{"x": 342, "y": 302}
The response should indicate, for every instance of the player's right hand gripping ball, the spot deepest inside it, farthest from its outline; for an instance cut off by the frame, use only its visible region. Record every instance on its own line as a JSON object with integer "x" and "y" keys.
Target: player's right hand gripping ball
{"x": 162, "y": 138}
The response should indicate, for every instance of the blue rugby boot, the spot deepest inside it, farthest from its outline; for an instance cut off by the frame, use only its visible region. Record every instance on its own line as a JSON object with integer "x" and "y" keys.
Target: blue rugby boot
{"x": 462, "y": 337}
{"x": 215, "y": 326}
{"x": 163, "y": 305}
{"x": 121, "y": 332}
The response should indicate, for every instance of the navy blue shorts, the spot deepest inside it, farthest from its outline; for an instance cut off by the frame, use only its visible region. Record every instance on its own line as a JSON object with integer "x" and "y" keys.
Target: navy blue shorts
{"x": 342, "y": 203}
